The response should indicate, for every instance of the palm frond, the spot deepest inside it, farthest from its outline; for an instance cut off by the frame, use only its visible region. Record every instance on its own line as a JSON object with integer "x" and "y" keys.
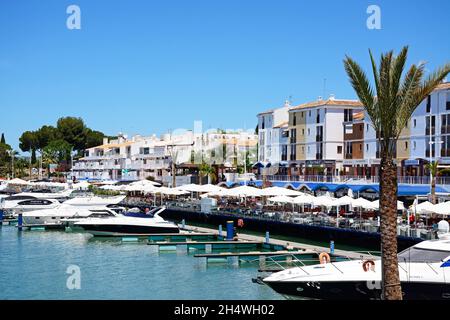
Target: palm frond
{"x": 362, "y": 87}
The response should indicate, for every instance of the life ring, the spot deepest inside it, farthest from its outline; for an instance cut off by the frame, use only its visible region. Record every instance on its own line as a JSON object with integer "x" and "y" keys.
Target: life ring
{"x": 368, "y": 265}
{"x": 240, "y": 223}
{"x": 324, "y": 258}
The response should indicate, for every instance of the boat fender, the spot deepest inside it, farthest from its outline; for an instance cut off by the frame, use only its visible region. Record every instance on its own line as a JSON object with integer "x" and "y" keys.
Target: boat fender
{"x": 324, "y": 258}
{"x": 368, "y": 265}
{"x": 240, "y": 223}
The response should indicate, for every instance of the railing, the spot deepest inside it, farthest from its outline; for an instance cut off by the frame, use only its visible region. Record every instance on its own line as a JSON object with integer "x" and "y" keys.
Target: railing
{"x": 353, "y": 179}
{"x": 354, "y": 224}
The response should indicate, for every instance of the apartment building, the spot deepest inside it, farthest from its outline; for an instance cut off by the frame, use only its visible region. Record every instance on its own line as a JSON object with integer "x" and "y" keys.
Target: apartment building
{"x": 316, "y": 138}
{"x": 426, "y": 137}
{"x": 273, "y": 138}
{"x": 140, "y": 157}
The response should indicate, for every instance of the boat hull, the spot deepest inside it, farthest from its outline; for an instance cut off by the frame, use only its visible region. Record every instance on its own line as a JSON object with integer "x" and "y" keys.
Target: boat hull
{"x": 108, "y": 230}
{"x": 358, "y": 290}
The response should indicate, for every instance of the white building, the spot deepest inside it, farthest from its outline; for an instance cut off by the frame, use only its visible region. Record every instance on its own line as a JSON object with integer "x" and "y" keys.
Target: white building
{"x": 413, "y": 146}
{"x": 273, "y": 135}
{"x": 316, "y": 136}
{"x": 141, "y": 157}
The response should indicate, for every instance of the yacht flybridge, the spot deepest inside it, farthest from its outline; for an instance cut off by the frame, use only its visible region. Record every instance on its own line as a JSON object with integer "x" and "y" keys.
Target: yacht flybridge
{"x": 94, "y": 201}
{"x": 122, "y": 225}
{"x": 424, "y": 273}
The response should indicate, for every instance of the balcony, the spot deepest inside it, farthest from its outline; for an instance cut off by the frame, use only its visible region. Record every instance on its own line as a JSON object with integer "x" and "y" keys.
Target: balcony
{"x": 348, "y": 156}
{"x": 445, "y": 152}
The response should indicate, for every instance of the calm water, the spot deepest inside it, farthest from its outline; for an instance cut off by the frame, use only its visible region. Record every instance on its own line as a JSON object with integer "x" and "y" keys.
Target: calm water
{"x": 33, "y": 265}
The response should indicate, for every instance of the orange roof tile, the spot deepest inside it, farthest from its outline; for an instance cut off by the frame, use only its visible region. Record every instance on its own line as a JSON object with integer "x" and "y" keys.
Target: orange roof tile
{"x": 333, "y": 102}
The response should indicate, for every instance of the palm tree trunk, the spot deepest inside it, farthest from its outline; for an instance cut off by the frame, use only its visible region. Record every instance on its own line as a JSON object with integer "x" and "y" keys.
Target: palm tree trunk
{"x": 433, "y": 190}
{"x": 388, "y": 211}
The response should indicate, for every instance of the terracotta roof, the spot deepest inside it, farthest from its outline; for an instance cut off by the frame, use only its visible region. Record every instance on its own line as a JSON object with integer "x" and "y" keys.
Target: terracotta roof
{"x": 358, "y": 115}
{"x": 114, "y": 145}
{"x": 281, "y": 125}
{"x": 445, "y": 85}
{"x": 266, "y": 112}
{"x": 332, "y": 102}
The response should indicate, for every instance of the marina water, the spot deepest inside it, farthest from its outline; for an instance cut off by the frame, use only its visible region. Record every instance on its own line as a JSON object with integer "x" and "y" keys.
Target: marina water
{"x": 33, "y": 265}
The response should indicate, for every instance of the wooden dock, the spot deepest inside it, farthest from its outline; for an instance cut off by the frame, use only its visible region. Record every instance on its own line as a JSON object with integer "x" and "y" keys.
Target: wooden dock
{"x": 294, "y": 246}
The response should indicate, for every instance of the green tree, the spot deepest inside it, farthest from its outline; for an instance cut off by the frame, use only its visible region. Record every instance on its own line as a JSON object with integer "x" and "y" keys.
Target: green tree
{"x": 389, "y": 107}
{"x": 57, "y": 151}
{"x": 5, "y": 159}
{"x": 28, "y": 142}
{"x": 93, "y": 138}
{"x": 205, "y": 170}
{"x": 45, "y": 135}
{"x": 73, "y": 130}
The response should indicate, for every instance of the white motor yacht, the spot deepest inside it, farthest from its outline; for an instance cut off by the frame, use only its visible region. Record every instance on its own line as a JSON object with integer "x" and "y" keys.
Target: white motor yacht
{"x": 123, "y": 225}
{"x": 15, "y": 205}
{"x": 64, "y": 215}
{"x": 424, "y": 274}
{"x": 94, "y": 201}
{"x": 63, "y": 195}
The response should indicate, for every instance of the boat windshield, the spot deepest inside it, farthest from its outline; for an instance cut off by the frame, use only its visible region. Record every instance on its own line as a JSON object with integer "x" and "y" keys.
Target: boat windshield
{"x": 422, "y": 255}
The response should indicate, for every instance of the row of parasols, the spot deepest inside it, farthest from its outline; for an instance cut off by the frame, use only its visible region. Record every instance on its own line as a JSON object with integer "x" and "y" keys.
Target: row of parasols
{"x": 276, "y": 195}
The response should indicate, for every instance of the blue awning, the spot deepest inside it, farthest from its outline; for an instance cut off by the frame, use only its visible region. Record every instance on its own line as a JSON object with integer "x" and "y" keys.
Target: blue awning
{"x": 403, "y": 189}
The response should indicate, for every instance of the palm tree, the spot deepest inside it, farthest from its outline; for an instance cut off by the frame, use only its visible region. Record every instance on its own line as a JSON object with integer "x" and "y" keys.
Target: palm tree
{"x": 433, "y": 167}
{"x": 389, "y": 108}
{"x": 206, "y": 170}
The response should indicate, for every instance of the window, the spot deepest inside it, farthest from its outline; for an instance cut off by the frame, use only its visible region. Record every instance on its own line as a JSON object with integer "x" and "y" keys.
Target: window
{"x": 348, "y": 115}
{"x": 348, "y": 129}
{"x": 293, "y": 152}
{"x": 294, "y": 119}
{"x": 309, "y": 131}
{"x": 367, "y": 127}
{"x": 360, "y": 147}
{"x": 414, "y": 145}
{"x": 303, "y": 114}
{"x": 367, "y": 147}
{"x": 415, "y": 122}
{"x": 447, "y": 104}
{"x": 284, "y": 153}
{"x": 310, "y": 113}
{"x": 406, "y": 145}
{"x": 445, "y": 124}
{"x": 427, "y": 125}
{"x": 428, "y": 104}
{"x": 318, "y": 116}
{"x": 293, "y": 135}
{"x": 422, "y": 255}
{"x": 339, "y": 149}
{"x": 319, "y": 133}
{"x": 303, "y": 132}
{"x": 445, "y": 149}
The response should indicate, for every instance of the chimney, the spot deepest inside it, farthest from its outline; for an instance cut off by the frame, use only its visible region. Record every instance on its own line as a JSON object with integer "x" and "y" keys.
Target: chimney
{"x": 105, "y": 140}
{"x": 332, "y": 96}
{"x": 320, "y": 98}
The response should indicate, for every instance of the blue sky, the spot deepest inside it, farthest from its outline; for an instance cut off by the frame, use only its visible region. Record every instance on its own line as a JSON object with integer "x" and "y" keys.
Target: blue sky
{"x": 151, "y": 66}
